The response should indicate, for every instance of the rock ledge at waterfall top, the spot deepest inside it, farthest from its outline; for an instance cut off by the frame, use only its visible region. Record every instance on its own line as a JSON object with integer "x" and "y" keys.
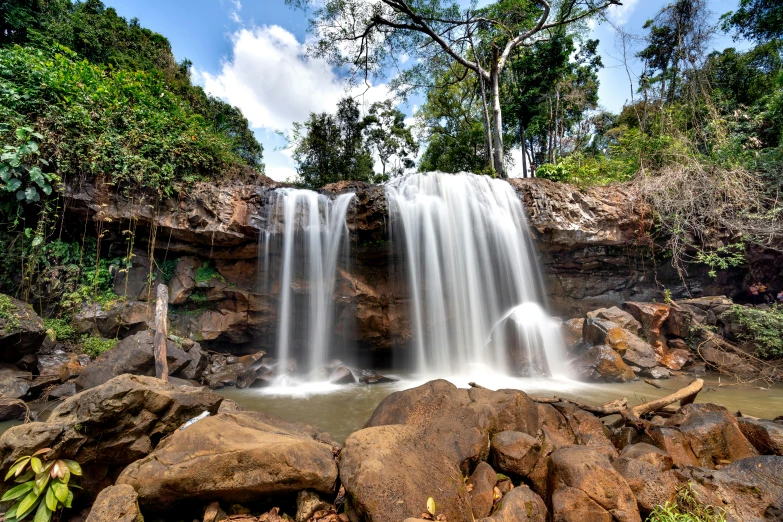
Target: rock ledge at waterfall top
{"x": 586, "y": 238}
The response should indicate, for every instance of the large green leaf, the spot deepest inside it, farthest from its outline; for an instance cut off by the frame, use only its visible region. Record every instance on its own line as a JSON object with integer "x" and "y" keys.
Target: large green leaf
{"x": 17, "y": 491}
{"x": 74, "y": 466}
{"x": 69, "y": 500}
{"x": 11, "y": 513}
{"x": 36, "y": 464}
{"x": 60, "y": 491}
{"x": 27, "y": 504}
{"x": 17, "y": 466}
{"x": 41, "y": 480}
{"x": 51, "y": 500}
{"x": 44, "y": 514}
{"x": 24, "y": 477}
{"x": 13, "y": 184}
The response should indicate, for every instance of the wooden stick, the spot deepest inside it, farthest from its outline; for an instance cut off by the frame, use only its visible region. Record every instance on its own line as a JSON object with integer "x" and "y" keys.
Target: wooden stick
{"x": 685, "y": 395}
{"x": 161, "y": 333}
{"x": 653, "y": 384}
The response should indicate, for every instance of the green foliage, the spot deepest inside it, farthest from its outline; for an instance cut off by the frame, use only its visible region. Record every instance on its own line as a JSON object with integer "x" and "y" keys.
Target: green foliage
{"x": 199, "y": 298}
{"x": 386, "y": 134}
{"x": 60, "y": 329}
{"x": 722, "y": 258}
{"x": 8, "y": 312}
{"x": 43, "y": 486}
{"x": 167, "y": 268}
{"x": 207, "y": 272}
{"x": 332, "y": 147}
{"x": 94, "y": 346}
{"x": 686, "y": 508}
{"x": 146, "y": 135}
{"x": 20, "y": 168}
{"x": 763, "y": 327}
{"x": 757, "y": 20}
{"x": 61, "y": 273}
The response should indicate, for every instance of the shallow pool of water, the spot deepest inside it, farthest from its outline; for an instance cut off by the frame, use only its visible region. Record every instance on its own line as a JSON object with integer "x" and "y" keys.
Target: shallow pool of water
{"x": 341, "y": 410}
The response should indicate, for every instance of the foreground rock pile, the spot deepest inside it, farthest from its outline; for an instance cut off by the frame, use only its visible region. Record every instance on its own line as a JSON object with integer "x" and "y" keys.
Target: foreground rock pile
{"x": 434, "y": 451}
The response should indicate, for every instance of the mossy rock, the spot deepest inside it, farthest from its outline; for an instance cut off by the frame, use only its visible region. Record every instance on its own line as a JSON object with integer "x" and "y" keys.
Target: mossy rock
{"x": 22, "y": 331}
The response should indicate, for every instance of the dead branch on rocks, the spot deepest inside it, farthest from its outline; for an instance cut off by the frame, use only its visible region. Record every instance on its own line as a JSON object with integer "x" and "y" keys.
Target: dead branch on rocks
{"x": 610, "y": 408}
{"x": 684, "y": 395}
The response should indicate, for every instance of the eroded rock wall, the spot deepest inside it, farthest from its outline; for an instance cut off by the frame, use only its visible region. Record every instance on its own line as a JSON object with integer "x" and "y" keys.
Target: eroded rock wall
{"x": 594, "y": 248}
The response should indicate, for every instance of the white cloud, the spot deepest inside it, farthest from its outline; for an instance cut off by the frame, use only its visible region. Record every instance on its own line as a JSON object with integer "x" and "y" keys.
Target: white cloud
{"x": 237, "y": 4}
{"x": 620, "y": 14}
{"x": 274, "y": 84}
{"x": 235, "y": 17}
{"x": 280, "y": 173}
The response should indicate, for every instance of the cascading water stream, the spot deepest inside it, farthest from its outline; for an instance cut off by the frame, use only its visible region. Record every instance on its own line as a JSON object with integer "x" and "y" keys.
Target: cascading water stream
{"x": 308, "y": 232}
{"x": 473, "y": 278}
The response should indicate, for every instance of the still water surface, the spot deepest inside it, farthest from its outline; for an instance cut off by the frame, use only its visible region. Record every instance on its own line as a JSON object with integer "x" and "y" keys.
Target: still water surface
{"x": 341, "y": 410}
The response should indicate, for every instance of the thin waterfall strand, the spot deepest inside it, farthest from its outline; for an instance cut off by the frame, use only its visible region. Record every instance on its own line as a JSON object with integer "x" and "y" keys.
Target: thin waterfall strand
{"x": 309, "y": 231}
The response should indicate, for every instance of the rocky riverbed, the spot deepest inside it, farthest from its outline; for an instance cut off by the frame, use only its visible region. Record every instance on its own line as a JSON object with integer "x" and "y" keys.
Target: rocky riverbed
{"x": 466, "y": 453}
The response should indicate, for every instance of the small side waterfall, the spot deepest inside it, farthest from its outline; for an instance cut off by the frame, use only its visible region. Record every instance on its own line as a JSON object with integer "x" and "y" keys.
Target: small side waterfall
{"x": 474, "y": 281}
{"x": 306, "y": 233}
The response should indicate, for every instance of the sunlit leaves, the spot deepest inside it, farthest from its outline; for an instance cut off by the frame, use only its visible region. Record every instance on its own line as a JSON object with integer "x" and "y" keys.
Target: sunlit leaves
{"x": 44, "y": 488}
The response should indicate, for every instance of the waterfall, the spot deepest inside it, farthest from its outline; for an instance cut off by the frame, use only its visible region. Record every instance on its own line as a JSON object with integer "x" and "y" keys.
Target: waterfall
{"x": 305, "y": 236}
{"x": 473, "y": 278}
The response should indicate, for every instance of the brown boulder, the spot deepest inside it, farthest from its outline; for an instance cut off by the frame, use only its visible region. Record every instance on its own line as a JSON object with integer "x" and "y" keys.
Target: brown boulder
{"x": 590, "y": 472}
{"x": 632, "y": 348}
{"x": 766, "y": 436}
{"x": 21, "y": 330}
{"x": 746, "y": 490}
{"x": 458, "y": 420}
{"x": 673, "y": 443}
{"x": 514, "y": 453}
{"x": 520, "y": 504}
{"x": 650, "y": 485}
{"x": 12, "y": 409}
{"x": 183, "y": 281}
{"x": 715, "y": 438}
{"x": 116, "y": 319}
{"x": 116, "y": 504}
{"x": 599, "y": 331}
{"x": 481, "y": 485}
{"x": 650, "y": 454}
{"x": 14, "y": 383}
{"x": 233, "y": 457}
{"x": 574, "y": 505}
{"x": 675, "y": 359}
{"x": 389, "y": 472}
{"x": 133, "y": 355}
{"x": 572, "y": 332}
{"x": 109, "y": 425}
{"x": 587, "y": 429}
{"x": 602, "y": 363}
{"x": 651, "y": 316}
{"x": 617, "y": 316}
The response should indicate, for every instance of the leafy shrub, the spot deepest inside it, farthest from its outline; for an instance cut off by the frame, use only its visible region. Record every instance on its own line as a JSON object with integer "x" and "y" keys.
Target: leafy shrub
{"x": 20, "y": 168}
{"x": 59, "y": 329}
{"x": 167, "y": 268}
{"x": 43, "y": 486}
{"x": 686, "y": 508}
{"x": 7, "y": 312}
{"x": 94, "y": 346}
{"x": 127, "y": 127}
{"x": 722, "y": 258}
{"x": 763, "y": 327}
{"x": 207, "y": 272}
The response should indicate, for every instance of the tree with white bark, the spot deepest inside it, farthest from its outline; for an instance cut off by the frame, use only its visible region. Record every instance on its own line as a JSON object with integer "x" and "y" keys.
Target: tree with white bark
{"x": 369, "y": 36}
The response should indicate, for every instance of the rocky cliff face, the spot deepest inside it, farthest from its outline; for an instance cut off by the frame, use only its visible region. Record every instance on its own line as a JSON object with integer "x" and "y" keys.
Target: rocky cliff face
{"x": 593, "y": 245}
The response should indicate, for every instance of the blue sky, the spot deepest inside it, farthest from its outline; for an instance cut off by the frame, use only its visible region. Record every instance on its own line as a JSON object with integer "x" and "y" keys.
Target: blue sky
{"x": 249, "y": 52}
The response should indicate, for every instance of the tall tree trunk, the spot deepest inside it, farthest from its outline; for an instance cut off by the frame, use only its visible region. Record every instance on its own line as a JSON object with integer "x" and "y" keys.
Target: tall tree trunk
{"x": 524, "y": 149}
{"x": 497, "y": 130}
{"x": 487, "y": 125}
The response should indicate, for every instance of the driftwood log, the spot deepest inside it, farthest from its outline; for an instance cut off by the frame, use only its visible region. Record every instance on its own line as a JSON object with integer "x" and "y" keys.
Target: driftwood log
{"x": 631, "y": 415}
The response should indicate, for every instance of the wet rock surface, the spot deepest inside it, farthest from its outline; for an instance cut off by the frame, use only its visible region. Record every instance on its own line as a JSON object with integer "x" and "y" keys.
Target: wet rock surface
{"x": 234, "y": 458}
